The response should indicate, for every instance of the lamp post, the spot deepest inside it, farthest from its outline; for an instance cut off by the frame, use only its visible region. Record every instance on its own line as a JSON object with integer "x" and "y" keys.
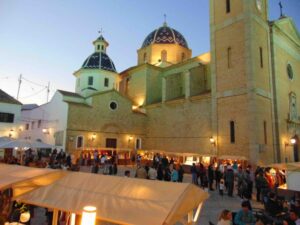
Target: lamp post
{"x": 88, "y": 215}
{"x": 291, "y": 142}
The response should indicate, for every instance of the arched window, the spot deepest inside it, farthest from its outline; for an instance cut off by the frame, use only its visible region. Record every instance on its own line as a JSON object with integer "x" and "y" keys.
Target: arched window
{"x": 145, "y": 57}
{"x": 293, "y": 106}
{"x": 164, "y": 55}
{"x": 79, "y": 142}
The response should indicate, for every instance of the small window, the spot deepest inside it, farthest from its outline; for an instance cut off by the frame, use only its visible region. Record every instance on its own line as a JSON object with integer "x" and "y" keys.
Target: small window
{"x": 7, "y": 117}
{"x": 102, "y": 47}
{"x": 90, "y": 81}
{"x": 27, "y": 126}
{"x": 39, "y": 123}
{"x": 182, "y": 56}
{"x": 164, "y": 55}
{"x": 138, "y": 143}
{"x": 229, "y": 57}
{"x": 113, "y": 105}
{"x": 290, "y": 72}
{"x": 32, "y": 125}
{"x": 227, "y": 6}
{"x": 79, "y": 142}
{"x": 265, "y": 132}
{"x": 261, "y": 57}
{"x": 98, "y": 47}
{"x": 106, "y": 82}
{"x": 232, "y": 132}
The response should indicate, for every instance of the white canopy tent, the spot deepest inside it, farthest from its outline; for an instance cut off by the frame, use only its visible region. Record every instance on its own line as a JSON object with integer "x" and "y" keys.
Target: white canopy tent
{"x": 120, "y": 200}
{"x": 24, "y": 143}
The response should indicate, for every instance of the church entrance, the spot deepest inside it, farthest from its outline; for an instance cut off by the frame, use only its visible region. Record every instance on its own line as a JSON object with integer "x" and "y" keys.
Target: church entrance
{"x": 296, "y": 149}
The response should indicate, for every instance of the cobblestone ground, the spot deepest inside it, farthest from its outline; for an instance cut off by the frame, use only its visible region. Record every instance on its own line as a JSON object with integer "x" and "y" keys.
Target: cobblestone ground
{"x": 210, "y": 211}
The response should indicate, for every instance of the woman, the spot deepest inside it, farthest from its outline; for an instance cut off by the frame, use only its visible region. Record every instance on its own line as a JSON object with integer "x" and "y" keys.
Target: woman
{"x": 225, "y": 218}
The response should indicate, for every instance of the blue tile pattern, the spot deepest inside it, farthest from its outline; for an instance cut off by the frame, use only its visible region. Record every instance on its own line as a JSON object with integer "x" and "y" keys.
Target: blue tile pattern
{"x": 165, "y": 35}
{"x": 99, "y": 60}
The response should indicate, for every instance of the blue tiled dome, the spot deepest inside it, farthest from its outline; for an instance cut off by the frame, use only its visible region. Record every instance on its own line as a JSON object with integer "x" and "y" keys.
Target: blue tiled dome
{"x": 99, "y": 60}
{"x": 165, "y": 35}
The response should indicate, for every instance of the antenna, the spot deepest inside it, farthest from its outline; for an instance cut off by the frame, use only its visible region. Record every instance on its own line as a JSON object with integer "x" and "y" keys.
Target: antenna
{"x": 20, "y": 81}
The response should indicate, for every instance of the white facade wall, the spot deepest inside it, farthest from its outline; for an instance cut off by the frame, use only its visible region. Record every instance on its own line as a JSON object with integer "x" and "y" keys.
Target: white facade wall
{"x": 53, "y": 116}
{"x": 11, "y": 128}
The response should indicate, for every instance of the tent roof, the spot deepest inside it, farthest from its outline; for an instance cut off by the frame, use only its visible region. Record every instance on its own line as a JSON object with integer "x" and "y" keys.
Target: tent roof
{"x": 24, "y": 143}
{"x": 287, "y": 166}
{"x": 119, "y": 199}
{"x": 23, "y": 179}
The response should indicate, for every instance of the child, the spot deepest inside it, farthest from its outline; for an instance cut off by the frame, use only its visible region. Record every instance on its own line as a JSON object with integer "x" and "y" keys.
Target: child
{"x": 221, "y": 187}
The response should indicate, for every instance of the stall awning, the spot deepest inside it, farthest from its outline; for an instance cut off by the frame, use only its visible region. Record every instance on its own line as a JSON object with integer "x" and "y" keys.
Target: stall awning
{"x": 286, "y": 166}
{"x": 23, "y": 179}
{"x": 232, "y": 157}
{"x": 119, "y": 200}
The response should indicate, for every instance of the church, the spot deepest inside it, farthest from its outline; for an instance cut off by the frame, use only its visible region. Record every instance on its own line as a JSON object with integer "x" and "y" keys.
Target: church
{"x": 236, "y": 102}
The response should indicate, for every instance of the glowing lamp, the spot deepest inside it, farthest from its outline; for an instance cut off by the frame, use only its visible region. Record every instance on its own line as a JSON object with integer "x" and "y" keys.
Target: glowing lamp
{"x": 45, "y": 131}
{"x": 293, "y": 141}
{"x": 212, "y": 140}
{"x": 93, "y": 137}
{"x": 88, "y": 215}
{"x": 25, "y": 217}
{"x": 130, "y": 138}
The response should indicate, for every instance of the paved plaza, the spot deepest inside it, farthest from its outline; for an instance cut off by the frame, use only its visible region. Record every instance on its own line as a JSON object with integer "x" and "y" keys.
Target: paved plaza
{"x": 210, "y": 212}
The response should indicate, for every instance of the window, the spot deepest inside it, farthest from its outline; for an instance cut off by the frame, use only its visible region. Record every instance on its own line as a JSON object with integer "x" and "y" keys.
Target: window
{"x": 182, "y": 56}
{"x": 293, "y": 115}
{"x": 27, "y": 126}
{"x": 113, "y": 105}
{"x": 111, "y": 143}
{"x": 164, "y": 56}
{"x": 232, "y": 132}
{"x": 39, "y": 123}
{"x": 98, "y": 47}
{"x": 7, "y": 117}
{"x": 227, "y": 6}
{"x": 265, "y": 132}
{"x": 90, "y": 81}
{"x": 229, "y": 57}
{"x": 102, "y": 47}
{"x": 145, "y": 57}
{"x": 106, "y": 82}
{"x": 290, "y": 72}
{"x": 138, "y": 143}
{"x": 79, "y": 142}
{"x": 261, "y": 57}
{"x": 32, "y": 125}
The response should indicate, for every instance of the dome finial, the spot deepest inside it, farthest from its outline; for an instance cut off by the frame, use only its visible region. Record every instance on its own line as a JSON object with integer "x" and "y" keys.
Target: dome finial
{"x": 100, "y": 31}
{"x": 165, "y": 20}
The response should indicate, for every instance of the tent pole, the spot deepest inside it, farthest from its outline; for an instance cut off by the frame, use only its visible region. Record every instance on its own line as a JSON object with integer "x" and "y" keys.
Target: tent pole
{"x": 55, "y": 217}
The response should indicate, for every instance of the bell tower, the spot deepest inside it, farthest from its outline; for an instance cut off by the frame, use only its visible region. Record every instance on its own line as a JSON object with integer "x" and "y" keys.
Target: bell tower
{"x": 242, "y": 106}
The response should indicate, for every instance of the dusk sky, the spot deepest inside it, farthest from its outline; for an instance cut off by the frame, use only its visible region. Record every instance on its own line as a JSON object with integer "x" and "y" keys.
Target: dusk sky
{"x": 46, "y": 41}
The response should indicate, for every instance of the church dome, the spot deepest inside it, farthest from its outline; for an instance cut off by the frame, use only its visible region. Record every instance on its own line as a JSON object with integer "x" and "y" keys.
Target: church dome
{"x": 99, "y": 60}
{"x": 165, "y": 35}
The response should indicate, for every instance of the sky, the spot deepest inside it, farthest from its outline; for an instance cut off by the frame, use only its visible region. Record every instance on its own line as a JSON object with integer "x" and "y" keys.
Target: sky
{"x": 46, "y": 41}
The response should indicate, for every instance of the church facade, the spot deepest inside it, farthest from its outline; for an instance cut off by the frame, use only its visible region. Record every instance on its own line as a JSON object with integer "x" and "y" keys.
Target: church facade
{"x": 238, "y": 101}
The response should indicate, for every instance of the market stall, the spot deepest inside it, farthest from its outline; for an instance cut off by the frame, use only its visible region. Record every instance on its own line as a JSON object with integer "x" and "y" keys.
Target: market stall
{"x": 120, "y": 200}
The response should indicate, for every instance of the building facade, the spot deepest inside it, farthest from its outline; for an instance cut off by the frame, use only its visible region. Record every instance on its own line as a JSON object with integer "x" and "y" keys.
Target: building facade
{"x": 238, "y": 101}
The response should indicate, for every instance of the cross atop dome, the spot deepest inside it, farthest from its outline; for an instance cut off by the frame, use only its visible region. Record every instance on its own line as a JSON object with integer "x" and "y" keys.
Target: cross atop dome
{"x": 100, "y": 43}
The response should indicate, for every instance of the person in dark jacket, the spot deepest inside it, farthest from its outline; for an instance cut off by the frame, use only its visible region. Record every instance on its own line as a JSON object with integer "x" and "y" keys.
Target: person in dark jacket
{"x": 160, "y": 173}
{"x": 229, "y": 175}
{"x": 180, "y": 173}
{"x": 210, "y": 177}
{"x": 272, "y": 206}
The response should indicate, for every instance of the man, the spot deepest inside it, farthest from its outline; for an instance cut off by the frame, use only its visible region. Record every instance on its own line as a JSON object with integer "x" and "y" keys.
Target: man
{"x": 293, "y": 219}
{"x": 141, "y": 172}
{"x": 272, "y": 206}
{"x": 244, "y": 216}
{"x": 229, "y": 177}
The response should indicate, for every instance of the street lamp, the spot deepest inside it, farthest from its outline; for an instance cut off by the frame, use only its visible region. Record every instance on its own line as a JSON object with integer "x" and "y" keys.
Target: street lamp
{"x": 212, "y": 141}
{"x": 293, "y": 141}
{"x": 88, "y": 215}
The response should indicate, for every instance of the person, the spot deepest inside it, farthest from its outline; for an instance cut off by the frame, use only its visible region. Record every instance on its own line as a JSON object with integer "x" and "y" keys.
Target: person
{"x": 115, "y": 169}
{"x": 152, "y": 173}
{"x": 127, "y": 173}
{"x": 245, "y": 215}
{"x": 180, "y": 173}
{"x": 210, "y": 177}
{"x": 141, "y": 172}
{"x": 221, "y": 187}
{"x": 229, "y": 176}
{"x": 225, "y": 218}
{"x": 272, "y": 206}
{"x": 293, "y": 219}
{"x": 194, "y": 174}
{"x": 167, "y": 174}
{"x": 174, "y": 175}
{"x": 160, "y": 173}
